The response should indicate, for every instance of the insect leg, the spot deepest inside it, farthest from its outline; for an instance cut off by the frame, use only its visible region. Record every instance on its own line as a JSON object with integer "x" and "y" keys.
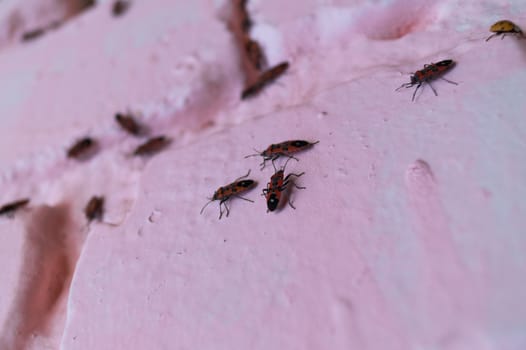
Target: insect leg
{"x": 432, "y": 88}
{"x": 242, "y": 177}
{"x": 223, "y": 202}
{"x": 491, "y": 36}
{"x": 449, "y": 81}
{"x": 406, "y": 85}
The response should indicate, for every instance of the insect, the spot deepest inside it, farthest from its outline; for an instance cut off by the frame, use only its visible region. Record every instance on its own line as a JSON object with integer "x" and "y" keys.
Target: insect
{"x": 505, "y": 27}
{"x": 120, "y": 7}
{"x": 285, "y": 149}
{"x": 255, "y": 53}
{"x": 430, "y": 72}
{"x": 234, "y": 189}
{"x": 33, "y": 34}
{"x": 95, "y": 208}
{"x": 277, "y": 185}
{"x": 10, "y": 208}
{"x": 264, "y": 79}
{"x": 128, "y": 123}
{"x": 153, "y": 145}
{"x": 81, "y": 148}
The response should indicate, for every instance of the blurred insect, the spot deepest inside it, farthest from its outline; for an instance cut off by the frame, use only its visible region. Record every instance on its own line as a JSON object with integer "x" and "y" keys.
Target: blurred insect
{"x": 81, "y": 148}
{"x": 430, "y": 72}
{"x": 277, "y": 185}
{"x": 153, "y": 145}
{"x": 95, "y": 208}
{"x": 255, "y": 54}
{"x": 10, "y": 208}
{"x": 33, "y": 34}
{"x": 120, "y": 7}
{"x": 504, "y": 28}
{"x": 87, "y": 3}
{"x": 246, "y": 21}
{"x": 285, "y": 149}
{"x": 264, "y": 79}
{"x": 128, "y": 123}
{"x": 234, "y": 189}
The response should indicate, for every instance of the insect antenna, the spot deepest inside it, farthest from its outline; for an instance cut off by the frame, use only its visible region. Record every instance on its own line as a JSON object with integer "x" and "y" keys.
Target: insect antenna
{"x": 210, "y": 201}
{"x": 258, "y": 153}
{"x": 274, "y": 166}
{"x": 246, "y": 199}
{"x": 414, "y": 93}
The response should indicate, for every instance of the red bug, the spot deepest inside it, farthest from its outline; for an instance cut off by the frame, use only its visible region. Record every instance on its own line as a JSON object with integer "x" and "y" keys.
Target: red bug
{"x": 10, "y": 208}
{"x": 234, "y": 189}
{"x": 128, "y": 123}
{"x": 95, "y": 208}
{"x": 82, "y": 148}
{"x": 153, "y": 145}
{"x": 285, "y": 149}
{"x": 264, "y": 79}
{"x": 430, "y": 72}
{"x": 277, "y": 185}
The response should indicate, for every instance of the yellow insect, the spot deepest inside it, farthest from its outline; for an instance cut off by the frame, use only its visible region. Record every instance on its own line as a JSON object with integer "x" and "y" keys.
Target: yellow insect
{"x": 505, "y": 27}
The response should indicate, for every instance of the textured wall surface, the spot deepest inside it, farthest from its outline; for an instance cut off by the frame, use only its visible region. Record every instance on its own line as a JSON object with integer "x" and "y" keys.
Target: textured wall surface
{"x": 410, "y": 233}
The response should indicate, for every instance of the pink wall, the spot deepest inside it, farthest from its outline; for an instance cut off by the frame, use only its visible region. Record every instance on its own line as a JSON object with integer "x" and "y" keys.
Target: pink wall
{"x": 409, "y": 234}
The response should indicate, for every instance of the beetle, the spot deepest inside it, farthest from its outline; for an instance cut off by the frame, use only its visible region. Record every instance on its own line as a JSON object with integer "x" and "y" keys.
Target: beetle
{"x": 429, "y": 73}
{"x": 234, "y": 189}
{"x": 277, "y": 185}
{"x": 255, "y": 53}
{"x": 153, "y": 145}
{"x": 81, "y": 148}
{"x": 10, "y": 208}
{"x": 128, "y": 123}
{"x": 95, "y": 208}
{"x": 264, "y": 79}
{"x": 286, "y": 149}
{"x": 505, "y": 27}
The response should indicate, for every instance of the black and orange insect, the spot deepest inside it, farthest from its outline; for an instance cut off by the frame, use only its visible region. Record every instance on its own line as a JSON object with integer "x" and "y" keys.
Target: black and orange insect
{"x": 120, "y": 7}
{"x": 264, "y": 79}
{"x": 277, "y": 185}
{"x": 234, "y": 189}
{"x": 504, "y": 28}
{"x": 255, "y": 54}
{"x": 95, "y": 208}
{"x": 429, "y": 73}
{"x": 10, "y": 208}
{"x": 286, "y": 149}
{"x": 153, "y": 145}
{"x": 128, "y": 123}
{"x": 81, "y": 148}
